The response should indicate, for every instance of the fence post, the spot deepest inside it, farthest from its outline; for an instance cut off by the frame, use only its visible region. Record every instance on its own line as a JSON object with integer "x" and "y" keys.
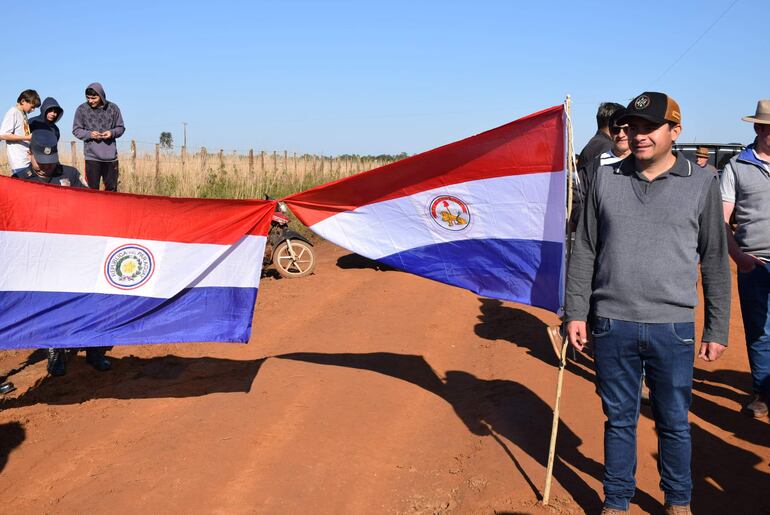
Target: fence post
{"x": 184, "y": 156}
{"x": 157, "y": 161}
{"x": 251, "y": 162}
{"x": 221, "y": 158}
{"x": 285, "y": 162}
{"x": 262, "y": 160}
{"x": 74, "y": 153}
{"x": 133, "y": 156}
{"x": 204, "y": 155}
{"x": 295, "y": 162}
{"x": 275, "y": 161}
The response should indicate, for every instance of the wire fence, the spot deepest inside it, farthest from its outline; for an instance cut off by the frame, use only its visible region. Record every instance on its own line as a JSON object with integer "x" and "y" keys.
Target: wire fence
{"x": 219, "y": 174}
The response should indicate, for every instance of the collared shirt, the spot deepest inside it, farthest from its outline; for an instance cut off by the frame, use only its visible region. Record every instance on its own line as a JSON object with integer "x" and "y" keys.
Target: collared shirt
{"x": 639, "y": 244}
{"x": 746, "y": 184}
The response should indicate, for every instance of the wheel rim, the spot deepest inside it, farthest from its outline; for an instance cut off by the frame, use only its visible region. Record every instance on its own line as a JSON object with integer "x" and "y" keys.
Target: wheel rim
{"x": 302, "y": 264}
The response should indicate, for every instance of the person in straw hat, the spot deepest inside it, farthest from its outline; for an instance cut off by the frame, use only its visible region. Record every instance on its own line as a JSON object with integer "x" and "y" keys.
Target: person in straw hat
{"x": 702, "y": 160}
{"x": 746, "y": 192}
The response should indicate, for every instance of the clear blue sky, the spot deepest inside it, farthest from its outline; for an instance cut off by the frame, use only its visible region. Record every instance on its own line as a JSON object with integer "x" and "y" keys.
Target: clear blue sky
{"x": 338, "y": 77}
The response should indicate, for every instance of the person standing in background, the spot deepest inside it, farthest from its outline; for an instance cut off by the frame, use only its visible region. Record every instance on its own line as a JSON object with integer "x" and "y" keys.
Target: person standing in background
{"x": 746, "y": 194}
{"x": 14, "y": 130}
{"x": 98, "y": 123}
{"x": 702, "y": 160}
{"x": 50, "y": 113}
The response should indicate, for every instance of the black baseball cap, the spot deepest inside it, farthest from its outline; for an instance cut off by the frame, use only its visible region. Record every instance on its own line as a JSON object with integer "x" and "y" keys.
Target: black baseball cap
{"x": 43, "y": 146}
{"x": 653, "y": 106}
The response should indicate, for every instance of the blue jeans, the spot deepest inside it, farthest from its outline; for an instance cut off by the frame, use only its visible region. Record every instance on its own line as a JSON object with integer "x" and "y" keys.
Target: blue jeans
{"x": 754, "y": 292}
{"x": 665, "y": 352}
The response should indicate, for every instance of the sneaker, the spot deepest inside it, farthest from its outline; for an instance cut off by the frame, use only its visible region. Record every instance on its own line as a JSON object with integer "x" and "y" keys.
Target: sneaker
{"x": 7, "y": 387}
{"x": 614, "y": 511}
{"x": 678, "y": 509}
{"x": 95, "y": 358}
{"x": 758, "y": 406}
{"x": 57, "y": 362}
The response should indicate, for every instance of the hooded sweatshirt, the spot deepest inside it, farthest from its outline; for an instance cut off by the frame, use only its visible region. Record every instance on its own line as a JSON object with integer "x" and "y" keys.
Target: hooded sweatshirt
{"x": 105, "y": 117}
{"x": 41, "y": 121}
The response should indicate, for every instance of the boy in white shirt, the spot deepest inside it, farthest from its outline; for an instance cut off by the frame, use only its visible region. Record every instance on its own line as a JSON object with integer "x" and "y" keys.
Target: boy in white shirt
{"x": 14, "y": 130}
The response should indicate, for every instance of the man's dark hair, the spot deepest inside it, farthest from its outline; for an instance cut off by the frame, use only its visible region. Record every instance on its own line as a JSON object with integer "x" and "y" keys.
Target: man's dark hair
{"x": 31, "y": 96}
{"x": 91, "y": 92}
{"x": 605, "y": 112}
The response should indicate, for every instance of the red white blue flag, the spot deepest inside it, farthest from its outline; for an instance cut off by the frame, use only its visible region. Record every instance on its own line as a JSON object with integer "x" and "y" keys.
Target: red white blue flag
{"x": 87, "y": 268}
{"x": 486, "y": 213}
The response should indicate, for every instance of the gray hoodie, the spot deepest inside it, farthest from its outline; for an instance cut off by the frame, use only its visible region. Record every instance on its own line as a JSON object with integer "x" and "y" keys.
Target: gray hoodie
{"x": 106, "y": 117}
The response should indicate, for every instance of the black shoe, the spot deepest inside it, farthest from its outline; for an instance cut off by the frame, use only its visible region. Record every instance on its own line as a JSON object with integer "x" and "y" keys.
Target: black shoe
{"x": 96, "y": 358}
{"x": 57, "y": 362}
{"x": 6, "y": 388}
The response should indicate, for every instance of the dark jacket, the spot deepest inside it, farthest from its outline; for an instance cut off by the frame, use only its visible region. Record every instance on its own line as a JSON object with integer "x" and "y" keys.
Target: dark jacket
{"x": 41, "y": 121}
{"x": 66, "y": 174}
{"x": 596, "y": 146}
{"x": 106, "y": 117}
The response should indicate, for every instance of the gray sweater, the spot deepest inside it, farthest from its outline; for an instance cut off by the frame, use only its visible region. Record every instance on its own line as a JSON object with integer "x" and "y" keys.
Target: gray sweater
{"x": 638, "y": 245}
{"x": 106, "y": 117}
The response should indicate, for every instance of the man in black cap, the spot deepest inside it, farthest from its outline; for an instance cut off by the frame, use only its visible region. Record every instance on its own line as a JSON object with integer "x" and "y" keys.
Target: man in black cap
{"x": 647, "y": 223}
{"x": 45, "y": 167}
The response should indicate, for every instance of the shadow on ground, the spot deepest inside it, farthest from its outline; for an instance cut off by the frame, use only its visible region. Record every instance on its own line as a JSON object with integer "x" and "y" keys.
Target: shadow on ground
{"x": 11, "y": 436}
{"x": 500, "y": 322}
{"x": 354, "y": 261}
{"x": 141, "y": 378}
{"x": 35, "y": 356}
{"x": 496, "y": 408}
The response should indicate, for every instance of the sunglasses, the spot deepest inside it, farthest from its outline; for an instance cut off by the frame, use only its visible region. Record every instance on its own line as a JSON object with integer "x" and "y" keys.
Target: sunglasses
{"x": 616, "y": 130}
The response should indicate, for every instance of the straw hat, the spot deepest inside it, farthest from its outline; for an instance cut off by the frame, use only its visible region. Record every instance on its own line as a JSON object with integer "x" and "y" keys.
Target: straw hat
{"x": 702, "y": 152}
{"x": 762, "y": 115}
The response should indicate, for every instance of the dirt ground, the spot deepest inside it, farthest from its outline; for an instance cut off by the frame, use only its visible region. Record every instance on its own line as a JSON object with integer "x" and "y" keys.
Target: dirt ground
{"x": 362, "y": 391}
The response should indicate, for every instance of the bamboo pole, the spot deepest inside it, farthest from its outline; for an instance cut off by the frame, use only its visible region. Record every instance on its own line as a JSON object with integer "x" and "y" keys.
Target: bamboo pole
{"x": 564, "y": 344}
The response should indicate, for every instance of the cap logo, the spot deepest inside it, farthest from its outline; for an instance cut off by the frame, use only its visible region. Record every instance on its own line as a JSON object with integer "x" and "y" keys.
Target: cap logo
{"x": 641, "y": 102}
{"x": 47, "y": 151}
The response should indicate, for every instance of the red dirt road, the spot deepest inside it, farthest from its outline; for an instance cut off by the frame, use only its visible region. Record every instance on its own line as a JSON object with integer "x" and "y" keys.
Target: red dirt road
{"x": 361, "y": 391}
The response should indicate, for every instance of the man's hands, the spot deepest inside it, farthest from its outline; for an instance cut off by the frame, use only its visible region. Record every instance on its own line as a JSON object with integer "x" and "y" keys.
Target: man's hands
{"x": 577, "y": 333}
{"x": 710, "y": 351}
{"x": 101, "y": 135}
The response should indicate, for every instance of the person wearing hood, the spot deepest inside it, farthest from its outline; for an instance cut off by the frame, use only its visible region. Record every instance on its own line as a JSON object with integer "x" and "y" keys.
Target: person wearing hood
{"x": 45, "y": 168}
{"x": 98, "y": 123}
{"x": 50, "y": 113}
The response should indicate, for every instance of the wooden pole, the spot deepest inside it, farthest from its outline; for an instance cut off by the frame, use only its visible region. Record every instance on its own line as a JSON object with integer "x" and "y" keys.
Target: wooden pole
{"x": 251, "y": 162}
{"x": 221, "y": 158}
{"x": 133, "y": 156}
{"x": 275, "y": 161}
{"x": 74, "y": 154}
{"x": 285, "y": 161}
{"x": 157, "y": 161}
{"x": 262, "y": 160}
{"x": 564, "y": 344}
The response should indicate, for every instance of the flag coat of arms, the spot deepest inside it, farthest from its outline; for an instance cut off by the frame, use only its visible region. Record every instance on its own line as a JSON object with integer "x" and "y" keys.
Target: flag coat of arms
{"x": 486, "y": 213}
{"x": 86, "y": 268}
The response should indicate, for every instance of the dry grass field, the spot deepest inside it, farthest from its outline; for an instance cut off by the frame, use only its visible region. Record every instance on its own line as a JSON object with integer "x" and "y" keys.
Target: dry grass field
{"x": 203, "y": 174}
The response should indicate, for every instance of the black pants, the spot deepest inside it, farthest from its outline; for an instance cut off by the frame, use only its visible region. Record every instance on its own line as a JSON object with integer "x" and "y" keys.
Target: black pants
{"x": 98, "y": 170}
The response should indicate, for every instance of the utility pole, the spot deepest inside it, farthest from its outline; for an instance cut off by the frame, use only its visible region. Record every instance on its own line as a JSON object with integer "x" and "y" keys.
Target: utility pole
{"x": 185, "y": 134}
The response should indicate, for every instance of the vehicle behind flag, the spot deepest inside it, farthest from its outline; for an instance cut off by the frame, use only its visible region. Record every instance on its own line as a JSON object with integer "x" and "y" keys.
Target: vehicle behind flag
{"x": 486, "y": 213}
{"x": 87, "y": 268}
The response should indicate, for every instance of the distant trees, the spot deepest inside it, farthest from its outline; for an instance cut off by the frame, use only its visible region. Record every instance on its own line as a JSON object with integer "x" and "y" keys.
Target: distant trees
{"x": 166, "y": 141}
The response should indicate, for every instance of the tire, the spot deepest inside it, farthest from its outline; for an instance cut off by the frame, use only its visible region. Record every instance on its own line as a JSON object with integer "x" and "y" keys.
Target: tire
{"x": 289, "y": 267}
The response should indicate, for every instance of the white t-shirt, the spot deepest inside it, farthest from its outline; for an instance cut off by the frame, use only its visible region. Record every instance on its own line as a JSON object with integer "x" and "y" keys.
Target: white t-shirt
{"x": 15, "y": 122}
